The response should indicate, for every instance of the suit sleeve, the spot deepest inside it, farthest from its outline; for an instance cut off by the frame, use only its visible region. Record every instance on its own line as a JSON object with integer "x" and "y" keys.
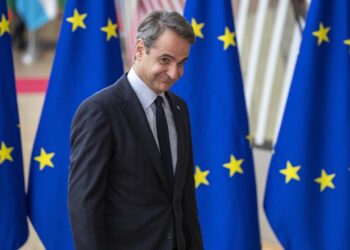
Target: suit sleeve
{"x": 190, "y": 222}
{"x": 91, "y": 147}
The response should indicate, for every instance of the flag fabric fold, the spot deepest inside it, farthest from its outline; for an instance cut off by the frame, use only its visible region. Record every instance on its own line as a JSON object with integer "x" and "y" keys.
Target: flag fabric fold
{"x": 36, "y": 13}
{"x": 224, "y": 170}
{"x": 87, "y": 59}
{"x": 307, "y": 199}
{"x": 13, "y": 221}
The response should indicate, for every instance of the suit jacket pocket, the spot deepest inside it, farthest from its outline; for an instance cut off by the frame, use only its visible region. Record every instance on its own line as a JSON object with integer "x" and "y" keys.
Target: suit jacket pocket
{"x": 122, "y": 223}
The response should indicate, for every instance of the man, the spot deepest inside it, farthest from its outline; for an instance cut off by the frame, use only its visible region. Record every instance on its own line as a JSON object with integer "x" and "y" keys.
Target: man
{"x": 131, "y": 183}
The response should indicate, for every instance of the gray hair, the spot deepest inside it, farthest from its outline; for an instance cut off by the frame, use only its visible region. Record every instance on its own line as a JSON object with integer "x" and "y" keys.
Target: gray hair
{"x": 156, "y": 22}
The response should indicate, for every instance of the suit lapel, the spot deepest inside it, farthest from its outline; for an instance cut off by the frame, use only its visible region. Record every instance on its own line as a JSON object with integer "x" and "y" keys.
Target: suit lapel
{"x": 136, "y": 116}
{"x": 180, "y": 165}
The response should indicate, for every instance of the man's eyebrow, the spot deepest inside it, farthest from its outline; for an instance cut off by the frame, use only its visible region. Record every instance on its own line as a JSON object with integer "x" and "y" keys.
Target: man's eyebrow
{"x": 185, "y": 59}
{"x": 167, "y": 55}
{"x": 172, "y": 57}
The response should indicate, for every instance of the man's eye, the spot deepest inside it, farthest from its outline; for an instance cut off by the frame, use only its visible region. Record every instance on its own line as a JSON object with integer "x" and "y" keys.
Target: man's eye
{"x": 181, "y": 64}
{"x": 164, "y": 60}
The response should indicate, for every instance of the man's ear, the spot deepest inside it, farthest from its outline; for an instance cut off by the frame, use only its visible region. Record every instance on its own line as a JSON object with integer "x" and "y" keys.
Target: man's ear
{"x": 139, "y": 49}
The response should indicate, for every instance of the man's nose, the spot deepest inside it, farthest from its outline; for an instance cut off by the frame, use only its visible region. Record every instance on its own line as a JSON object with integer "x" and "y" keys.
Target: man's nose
{"x": 173, "y": 71}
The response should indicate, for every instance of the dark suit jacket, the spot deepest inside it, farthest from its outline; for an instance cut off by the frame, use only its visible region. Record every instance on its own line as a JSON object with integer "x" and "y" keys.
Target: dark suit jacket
{"x": 120, "y": 196}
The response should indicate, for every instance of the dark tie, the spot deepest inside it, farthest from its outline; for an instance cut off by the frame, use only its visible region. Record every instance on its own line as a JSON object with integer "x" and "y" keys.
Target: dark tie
{"x": 163, "y": 136}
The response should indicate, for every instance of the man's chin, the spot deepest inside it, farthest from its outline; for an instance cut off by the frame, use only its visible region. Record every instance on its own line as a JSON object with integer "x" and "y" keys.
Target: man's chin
{"x": 165, "y": 86}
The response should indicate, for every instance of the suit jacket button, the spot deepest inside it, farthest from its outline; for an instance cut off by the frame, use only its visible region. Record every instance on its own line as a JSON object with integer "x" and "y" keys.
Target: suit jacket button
{"x": 170, "y": 235}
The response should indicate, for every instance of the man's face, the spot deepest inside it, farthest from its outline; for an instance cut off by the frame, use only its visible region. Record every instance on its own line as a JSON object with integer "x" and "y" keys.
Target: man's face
{"x": 162, "y": 64}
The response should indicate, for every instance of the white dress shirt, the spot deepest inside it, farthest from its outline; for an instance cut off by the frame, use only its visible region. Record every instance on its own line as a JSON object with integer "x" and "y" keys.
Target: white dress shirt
{"x": 147, "y": 97}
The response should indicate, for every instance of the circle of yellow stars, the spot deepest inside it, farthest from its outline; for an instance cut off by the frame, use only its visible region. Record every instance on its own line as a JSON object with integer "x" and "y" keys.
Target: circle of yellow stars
{"x": 200, "y": 177}
{"x": 228, "y": 38}
{"x": 44, "y": 159}
{"x": 325, "y": 180}
{"x": 250, "y": 139}
{"x": 4, "y": 25}
{"x": 110, "y": 29}
{"x": 5, "y": 153}
{"x": 322, "y": 35}
{"x": 197, "y": 28}
{"x": 292, "y": 173}
{"x": 234, "y": 166}
{"x": 78, "y": 21}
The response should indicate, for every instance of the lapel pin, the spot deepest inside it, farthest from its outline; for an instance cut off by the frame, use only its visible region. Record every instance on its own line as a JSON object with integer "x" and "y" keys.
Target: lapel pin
{"x": 178, "y": 107}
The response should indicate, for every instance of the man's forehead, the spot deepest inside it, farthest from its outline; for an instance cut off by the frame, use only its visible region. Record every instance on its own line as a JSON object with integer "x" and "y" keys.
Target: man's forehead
{"x": 180, "y": 57}
{"x": 171, "y": 47}
{"x": 171, "y": 53}
{"x": 171, "y": 35}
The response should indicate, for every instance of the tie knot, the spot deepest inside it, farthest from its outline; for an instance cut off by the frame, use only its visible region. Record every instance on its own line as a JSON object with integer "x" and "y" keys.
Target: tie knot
{"x": 159, "y": 101}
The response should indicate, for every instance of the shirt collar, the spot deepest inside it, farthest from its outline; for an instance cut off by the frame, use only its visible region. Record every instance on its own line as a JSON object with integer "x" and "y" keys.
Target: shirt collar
{"x": 145, "y": 94}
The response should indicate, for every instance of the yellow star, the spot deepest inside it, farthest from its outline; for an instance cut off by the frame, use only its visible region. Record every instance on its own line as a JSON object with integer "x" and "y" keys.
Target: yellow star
{"x": 347, "y": 42}
{"x": 234, "y": 166}
{"x": 44, "y": 159}
{"x": 110, "y": 29}
{"x": 322, "y": 34}
{"x": 4, "y": 25}
{"x": 250, "y": 138}
{"x": 5, "y": 153}
{"x": 77, "y": 20}
{"x": 200, "y": 177}
{"x": 290, "y": 172}
{"x": 325, "y": 180}
{"x": 197, "y": 28}
{"x": 228, "y": 38}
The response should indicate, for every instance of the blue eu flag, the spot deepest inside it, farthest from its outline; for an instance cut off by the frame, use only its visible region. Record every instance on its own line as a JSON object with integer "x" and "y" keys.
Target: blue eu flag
{"x": 87, "y": 59}
{"x": 307, "y": 198}
{"x": 224, "y": 170}
{"x": 13, "y": 222}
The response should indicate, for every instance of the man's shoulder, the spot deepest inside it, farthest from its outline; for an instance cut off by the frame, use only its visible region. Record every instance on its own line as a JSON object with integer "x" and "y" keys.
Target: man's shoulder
{"x": 109, "y": 93}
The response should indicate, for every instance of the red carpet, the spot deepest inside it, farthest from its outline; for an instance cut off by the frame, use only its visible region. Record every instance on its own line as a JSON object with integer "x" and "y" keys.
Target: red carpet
{"x": 31, "y": 85}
